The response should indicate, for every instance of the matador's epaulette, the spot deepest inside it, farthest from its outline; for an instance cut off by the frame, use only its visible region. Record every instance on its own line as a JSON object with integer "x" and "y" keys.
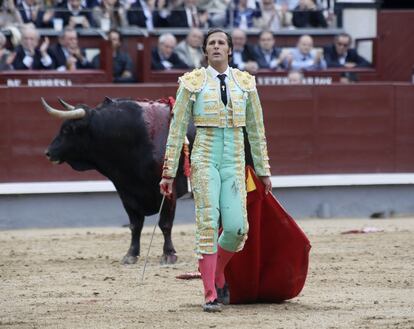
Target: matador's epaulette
{"x": 195, "y": 80}
{"x": 244, "y": 80}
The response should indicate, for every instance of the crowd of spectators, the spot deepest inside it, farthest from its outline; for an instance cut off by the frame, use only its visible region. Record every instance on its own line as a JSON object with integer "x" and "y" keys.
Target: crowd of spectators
{"x": 31, "y": 52}
{"x": 106, "y": 14}
{"x": 264, "y": 55}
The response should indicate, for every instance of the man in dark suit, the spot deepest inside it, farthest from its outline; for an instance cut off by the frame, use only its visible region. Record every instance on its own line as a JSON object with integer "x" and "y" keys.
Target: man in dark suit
{"x": 74, "y": 15}
{"x": 66, "y": 54}
{"x": 267, "y": 53}
{"x": 146, "y": 14}
{"x": 28, "y": 56}
{"x": 339, "y": 54}
{"x": 163, "y": 57}
{"x": 187, "y": 15}
{"x": 122, "y": 69}
{"x": 244, "y": 55}
{"x": 31, "y": 12}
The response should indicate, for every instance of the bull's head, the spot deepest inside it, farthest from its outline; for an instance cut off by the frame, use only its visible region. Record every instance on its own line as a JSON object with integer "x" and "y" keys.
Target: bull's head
{"x": 71, "y": 143}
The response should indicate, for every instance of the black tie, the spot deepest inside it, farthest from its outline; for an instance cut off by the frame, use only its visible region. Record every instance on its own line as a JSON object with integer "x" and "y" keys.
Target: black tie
{"x": 223, "y": 90}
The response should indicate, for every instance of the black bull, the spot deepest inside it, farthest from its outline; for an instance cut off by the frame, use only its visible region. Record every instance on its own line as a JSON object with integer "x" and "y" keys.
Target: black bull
{"x": 125, "y": 141}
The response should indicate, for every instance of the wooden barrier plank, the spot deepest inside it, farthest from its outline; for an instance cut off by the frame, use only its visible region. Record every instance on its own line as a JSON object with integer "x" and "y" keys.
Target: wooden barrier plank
{"x": 363, "y": 128}
{"x": 355, "y": 128}
{"x": 288, "y": 123}
{"x": 404, "y": 128}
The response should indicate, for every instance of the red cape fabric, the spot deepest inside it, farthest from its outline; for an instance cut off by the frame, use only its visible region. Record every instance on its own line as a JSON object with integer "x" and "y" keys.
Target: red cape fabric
{"x": 273, "y": 264}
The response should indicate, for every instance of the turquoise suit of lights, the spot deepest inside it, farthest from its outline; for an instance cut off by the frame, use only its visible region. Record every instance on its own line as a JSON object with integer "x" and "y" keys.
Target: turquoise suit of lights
{"x": 217, "y": 158}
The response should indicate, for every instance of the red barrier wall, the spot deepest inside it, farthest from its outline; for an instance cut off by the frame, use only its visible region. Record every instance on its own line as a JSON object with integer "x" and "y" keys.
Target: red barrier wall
{"x": 361, "y": 128}
{"x": 396, "y": 45}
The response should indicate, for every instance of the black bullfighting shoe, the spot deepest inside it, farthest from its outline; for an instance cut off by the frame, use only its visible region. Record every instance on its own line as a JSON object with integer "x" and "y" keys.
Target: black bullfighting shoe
{"x": 223, "y": 294}
{"x": 212, "y": 306}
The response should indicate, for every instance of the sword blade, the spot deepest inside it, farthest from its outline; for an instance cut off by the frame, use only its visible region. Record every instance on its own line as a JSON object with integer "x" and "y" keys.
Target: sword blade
{"x": 152, "y": 236}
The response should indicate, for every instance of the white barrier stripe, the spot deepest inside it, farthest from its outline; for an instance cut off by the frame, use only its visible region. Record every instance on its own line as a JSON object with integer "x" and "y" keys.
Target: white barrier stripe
{"x": 56, "y": 187}
{"x": 281, "y": 181}
{"x": 342, "y": 180}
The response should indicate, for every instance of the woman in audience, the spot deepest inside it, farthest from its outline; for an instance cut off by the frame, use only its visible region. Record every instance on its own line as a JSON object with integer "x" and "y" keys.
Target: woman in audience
{"x": 110, "y": 14}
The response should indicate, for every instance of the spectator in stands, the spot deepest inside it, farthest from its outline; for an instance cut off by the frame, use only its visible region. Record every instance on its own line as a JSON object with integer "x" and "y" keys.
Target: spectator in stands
{"x": 339, "y": 54}
{"x": 87, "y": 3}
{"x": 32, "y": 12}
{"x": 188, "y": 15}
{"x": 295, "y": 77}
{"x": 241, "y": 16}
{"x": 216, "y": 10}
{"x": 267, "y": 53}
{"x": 244, "y": 55}
{"x": 74, "y": 14}
{"x": 190, "y": 50}
{"x": 348, "y": 77}
{"x": 28, "y": 56}
{"x": 5, "y": 59}
{"x": 9, "y": 16}
{"x": 148, "y": 14}
{"x": 287, "y": 4}
{"x": 109, "y": 14}
{"x": 272, "y": 16}
{"x": 122, "y": 64}
{"x": 307, "y": 14}
{"x": 163, "y": 57}
{"x": 66, "y": 54}
{"x": 303, "y": 57}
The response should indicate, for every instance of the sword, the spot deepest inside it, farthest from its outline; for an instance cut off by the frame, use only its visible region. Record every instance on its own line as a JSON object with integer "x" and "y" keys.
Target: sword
{"x": 152, "y": 236}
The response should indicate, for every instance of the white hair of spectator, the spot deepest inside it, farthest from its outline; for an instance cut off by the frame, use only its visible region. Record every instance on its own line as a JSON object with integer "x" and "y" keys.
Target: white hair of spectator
{"x": 29, "y": 28}
{"x": 166, "y": 36}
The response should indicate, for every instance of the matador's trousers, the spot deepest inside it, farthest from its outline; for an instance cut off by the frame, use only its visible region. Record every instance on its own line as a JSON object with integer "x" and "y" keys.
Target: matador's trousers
{"x": 218, "y": 181}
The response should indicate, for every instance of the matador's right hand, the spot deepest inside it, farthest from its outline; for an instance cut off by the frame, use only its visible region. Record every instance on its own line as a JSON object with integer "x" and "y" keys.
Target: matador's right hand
{"x": 166, "y": 186}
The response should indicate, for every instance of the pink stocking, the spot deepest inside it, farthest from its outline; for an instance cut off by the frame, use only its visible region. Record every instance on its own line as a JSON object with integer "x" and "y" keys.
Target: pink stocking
{"x": 223, "y": 258}
{"x": 207, "y": 267}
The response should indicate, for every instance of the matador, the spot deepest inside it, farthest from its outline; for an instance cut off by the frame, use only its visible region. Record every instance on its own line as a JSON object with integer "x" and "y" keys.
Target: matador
{"x": 221, "y": 101}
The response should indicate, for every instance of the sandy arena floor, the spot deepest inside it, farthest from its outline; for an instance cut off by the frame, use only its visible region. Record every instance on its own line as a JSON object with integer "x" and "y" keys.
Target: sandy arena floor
{"x": 72, "y": 278}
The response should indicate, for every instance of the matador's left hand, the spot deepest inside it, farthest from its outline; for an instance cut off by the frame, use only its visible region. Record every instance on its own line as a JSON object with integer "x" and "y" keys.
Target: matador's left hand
{"x": 267, "y": 183}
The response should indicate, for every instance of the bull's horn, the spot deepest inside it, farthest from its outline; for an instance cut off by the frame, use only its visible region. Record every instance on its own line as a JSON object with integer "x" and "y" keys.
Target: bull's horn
{"x": 66, "y": 105}
{"x": 75, "y": 114}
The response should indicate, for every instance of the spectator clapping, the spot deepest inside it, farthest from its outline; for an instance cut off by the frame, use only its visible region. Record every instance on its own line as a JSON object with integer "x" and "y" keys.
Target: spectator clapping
{"x": 303, "y": 57}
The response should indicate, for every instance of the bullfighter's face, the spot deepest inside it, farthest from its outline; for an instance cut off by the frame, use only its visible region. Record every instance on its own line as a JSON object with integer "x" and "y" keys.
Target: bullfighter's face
{"x": 217, "y": 48}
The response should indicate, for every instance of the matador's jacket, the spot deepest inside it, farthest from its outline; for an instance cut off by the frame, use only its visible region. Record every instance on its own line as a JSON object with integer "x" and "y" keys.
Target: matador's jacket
{"x": 217, "y": 158}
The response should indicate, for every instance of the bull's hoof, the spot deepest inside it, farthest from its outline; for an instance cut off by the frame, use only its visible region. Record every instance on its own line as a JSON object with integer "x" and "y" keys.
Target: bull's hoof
{"x": 129, "y": 260}
{"x": 168, "y": 259}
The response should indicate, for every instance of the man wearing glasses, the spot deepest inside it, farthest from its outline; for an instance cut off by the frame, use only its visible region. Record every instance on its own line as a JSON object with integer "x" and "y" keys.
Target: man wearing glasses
{"x": 339, "y": 54}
